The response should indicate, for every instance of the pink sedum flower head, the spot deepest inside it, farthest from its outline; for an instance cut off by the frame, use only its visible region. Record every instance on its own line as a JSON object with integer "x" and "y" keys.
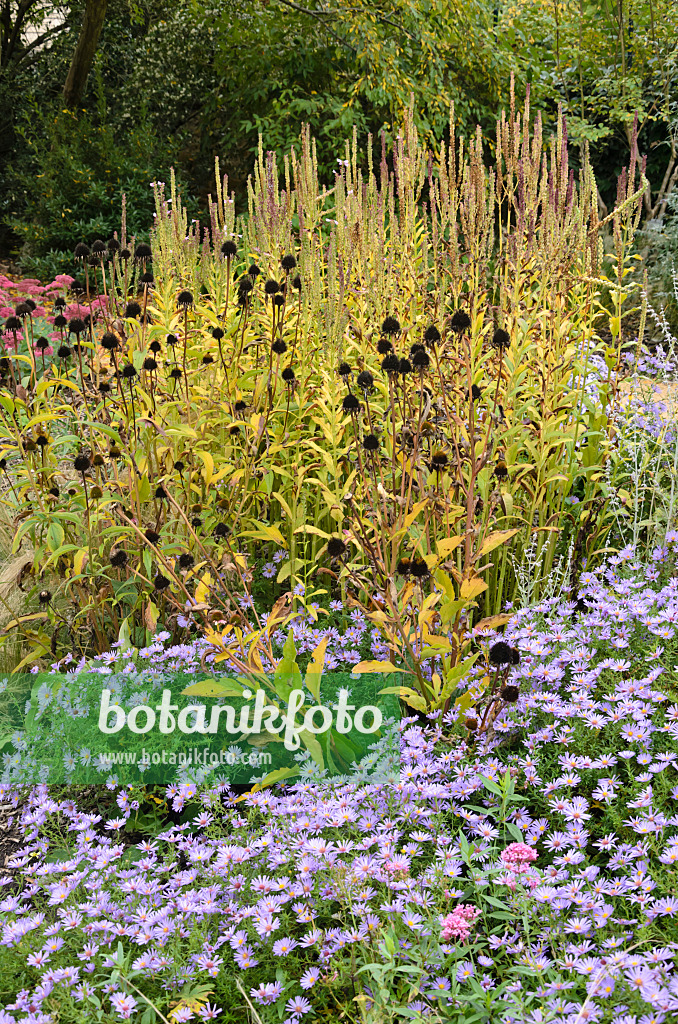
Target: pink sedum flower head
{"x": 517, "y": 856}
{"x": 458, "y": 924}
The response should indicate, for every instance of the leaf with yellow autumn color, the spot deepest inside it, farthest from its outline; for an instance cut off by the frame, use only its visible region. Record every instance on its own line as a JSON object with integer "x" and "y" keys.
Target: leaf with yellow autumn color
{"x": 203, "y": 588}
{"x": 471, "y": 589}
{"x": 208, "y": 466}
{"x": 410, "y": 696}
{"x": 493, "y": 622}
{"x": 375, "y": 666}
{"x": 447, "y": 545}
{"x": 315, "y": 669}
{"x": 211, "y": 688}
{"x": 495, "y": 540}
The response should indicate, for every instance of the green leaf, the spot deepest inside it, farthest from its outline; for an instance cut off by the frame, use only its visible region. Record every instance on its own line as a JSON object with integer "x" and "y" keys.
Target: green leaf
{"x": 55, "y": 536}
{"x": 315, "y": 669}
{"x": 494, "y": 902}
{"x": 489, "y": 784}
{"x": 212, "y": 688}
{"x": 514, "y": 831}
{"x": 287, "y": 675}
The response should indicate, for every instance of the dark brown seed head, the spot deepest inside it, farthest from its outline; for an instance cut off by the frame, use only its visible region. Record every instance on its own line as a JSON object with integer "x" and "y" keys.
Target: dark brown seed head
{"x": 500, "y": 653}
{"x": 460, "y": 321}
{"x": 500, "y": 339}
{"x": 390, "y": 326}
{"x": 419, "y": 569}
{"x": 336, "y": 547}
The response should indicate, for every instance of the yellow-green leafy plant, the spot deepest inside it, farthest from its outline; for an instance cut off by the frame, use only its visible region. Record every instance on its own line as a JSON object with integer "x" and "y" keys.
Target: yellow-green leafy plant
{"x": 390, "y": 368}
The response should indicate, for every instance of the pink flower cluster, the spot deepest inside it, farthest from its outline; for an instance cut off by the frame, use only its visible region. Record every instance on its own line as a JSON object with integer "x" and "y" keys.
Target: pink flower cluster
{"x": 458, "y": 924}
{"x": 517, "y": 856}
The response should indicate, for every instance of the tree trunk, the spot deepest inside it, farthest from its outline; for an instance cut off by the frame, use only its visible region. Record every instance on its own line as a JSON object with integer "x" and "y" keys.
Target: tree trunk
{"x": 92, "y": 24}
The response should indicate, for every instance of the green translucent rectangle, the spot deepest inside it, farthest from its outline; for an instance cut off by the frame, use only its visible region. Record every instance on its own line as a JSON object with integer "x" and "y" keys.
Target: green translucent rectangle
{"x": 141, "y": 728}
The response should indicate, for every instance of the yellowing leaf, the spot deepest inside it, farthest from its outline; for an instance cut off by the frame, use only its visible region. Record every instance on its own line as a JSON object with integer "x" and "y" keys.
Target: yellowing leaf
{"x": 151, "y": 616}
{"x": 80, "y": 560}
{"x": 208, "y": 466}
{"x": 375, "y": 666}
{"x": 427, "y": 607}
{"x": 314, "y": 530}
{"x": 211, "y": 688}
{"x": 465, "y": 702}
{"x": 266, "y": 532}
{"x": 447, "y": 545}
{"x": 493, "y": 622}
{"x": 269, "y": 780}
{"x": 470, "y": 589}
{"x": 202, "y": 589}
{"x": 315, "y": 669}
{"x": 416, "y": 509}
{"x": 258, "y": 422}
{"x": 495, "y": 540}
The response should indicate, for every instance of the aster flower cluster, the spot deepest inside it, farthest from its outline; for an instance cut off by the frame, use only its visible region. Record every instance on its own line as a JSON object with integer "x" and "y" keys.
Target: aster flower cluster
{"x": 536, "y": 866}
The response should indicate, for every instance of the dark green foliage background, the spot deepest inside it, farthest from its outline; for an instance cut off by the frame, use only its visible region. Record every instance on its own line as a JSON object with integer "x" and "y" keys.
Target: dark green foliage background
{"x": 176, "y": 83}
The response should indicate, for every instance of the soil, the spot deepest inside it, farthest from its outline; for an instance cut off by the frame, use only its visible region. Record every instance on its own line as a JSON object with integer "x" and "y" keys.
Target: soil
{"x": 11, "y": 836}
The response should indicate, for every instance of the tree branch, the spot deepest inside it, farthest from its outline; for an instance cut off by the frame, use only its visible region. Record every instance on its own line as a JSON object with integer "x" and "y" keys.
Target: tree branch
{"x": 320, "y": 17}
{"x": 22, "y": 10}
{"x": 37, "y": 42}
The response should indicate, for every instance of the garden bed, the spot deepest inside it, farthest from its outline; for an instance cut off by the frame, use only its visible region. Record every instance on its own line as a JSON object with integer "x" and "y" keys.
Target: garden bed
{"x": 353, "y": 448}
